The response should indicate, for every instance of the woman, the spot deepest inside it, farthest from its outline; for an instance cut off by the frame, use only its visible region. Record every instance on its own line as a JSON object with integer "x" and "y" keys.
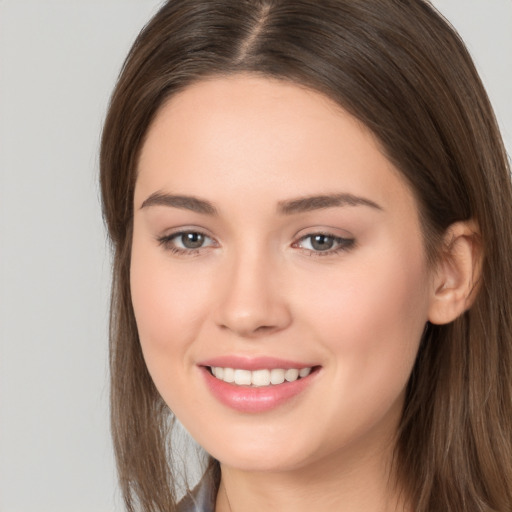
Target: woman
{"x": 310, "y": 208}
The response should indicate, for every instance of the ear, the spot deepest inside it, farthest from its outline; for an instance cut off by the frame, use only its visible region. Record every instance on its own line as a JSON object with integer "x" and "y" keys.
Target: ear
{"x": 455, "y": 281}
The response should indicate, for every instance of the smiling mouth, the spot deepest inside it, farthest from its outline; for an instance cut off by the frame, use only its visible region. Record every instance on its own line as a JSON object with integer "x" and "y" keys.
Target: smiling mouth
{"x": 259, "y": 378}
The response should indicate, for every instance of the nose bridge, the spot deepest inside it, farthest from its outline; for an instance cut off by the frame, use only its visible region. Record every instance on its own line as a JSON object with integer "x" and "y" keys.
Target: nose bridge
{"x": 252, "y": 301}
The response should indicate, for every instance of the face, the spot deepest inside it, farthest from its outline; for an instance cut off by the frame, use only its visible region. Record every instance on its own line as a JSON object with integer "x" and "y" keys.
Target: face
{"x": 274, "y": 245}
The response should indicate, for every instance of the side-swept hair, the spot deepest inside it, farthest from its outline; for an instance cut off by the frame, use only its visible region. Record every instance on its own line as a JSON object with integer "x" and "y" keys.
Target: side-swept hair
{"x": 398, "y": 67}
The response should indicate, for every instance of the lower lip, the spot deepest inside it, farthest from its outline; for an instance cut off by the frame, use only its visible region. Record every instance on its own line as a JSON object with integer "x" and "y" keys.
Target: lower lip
{"x": 255, "y": 399}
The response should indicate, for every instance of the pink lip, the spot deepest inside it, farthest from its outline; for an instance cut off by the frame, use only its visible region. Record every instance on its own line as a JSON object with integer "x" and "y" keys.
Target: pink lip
{"x": 249, "y": 399}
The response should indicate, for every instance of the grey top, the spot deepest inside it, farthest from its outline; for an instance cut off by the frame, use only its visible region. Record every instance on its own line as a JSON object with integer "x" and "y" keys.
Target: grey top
{"x": 202, "y": 498}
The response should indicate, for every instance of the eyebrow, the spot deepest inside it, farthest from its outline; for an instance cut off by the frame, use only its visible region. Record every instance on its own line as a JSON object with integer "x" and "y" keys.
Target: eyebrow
{"x": 288, "y": 207}
{"x": 179, "y": 201}
{"x": 310, "y": 203}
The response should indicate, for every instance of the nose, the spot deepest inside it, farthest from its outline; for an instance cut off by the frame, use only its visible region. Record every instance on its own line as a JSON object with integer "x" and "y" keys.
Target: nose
{"x": 253, "y": 300}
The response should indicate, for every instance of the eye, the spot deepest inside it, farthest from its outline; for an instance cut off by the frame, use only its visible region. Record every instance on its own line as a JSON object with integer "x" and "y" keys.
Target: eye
{"x": 324, "y": 243}
{"x": 186, "y": 242}
{"x": 190, "y": 240}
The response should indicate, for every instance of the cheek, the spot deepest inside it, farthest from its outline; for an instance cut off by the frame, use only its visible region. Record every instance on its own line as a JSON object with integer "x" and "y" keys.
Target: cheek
{"x": 370, "y": 322}
{"x": 169, "y": 312}
{"x": 168, "y": 306}
{"x": 372, "y": 316}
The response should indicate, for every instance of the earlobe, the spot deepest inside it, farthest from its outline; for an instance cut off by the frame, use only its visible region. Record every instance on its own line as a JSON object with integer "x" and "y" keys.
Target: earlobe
{"x": 455, "y": 282}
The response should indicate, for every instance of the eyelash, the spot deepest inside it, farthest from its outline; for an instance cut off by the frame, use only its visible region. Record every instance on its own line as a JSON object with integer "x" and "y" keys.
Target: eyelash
{"x": 344, "y": 244}
{"x": 168, "y": 242}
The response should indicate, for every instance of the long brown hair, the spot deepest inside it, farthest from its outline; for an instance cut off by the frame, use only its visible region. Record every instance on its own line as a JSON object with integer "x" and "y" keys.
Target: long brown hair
{"x": 401, "y": 69}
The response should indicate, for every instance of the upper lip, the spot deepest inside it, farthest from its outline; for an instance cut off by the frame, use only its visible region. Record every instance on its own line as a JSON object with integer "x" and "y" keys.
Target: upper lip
{"x": 253, "y": 363}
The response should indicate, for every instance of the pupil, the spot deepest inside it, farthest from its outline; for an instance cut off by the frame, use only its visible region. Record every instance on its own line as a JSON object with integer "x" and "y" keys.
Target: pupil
{"x": 322, "y": 242}
{"x": 192, "y": 240}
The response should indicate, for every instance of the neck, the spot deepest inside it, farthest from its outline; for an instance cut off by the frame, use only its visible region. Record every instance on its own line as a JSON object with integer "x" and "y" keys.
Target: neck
{"x": 365, "y": 485}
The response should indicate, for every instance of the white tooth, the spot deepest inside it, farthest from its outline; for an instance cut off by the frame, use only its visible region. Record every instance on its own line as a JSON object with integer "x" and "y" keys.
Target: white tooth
{"x": 291, "y": 374}
{"x": 260, "y": 377}
{"x": 243, "y": 377}
{"x": 218, "y": 372}
{"x": 276, "y": 376}
{"x": 229, "y": 375}
{"x": 304, "y": 372}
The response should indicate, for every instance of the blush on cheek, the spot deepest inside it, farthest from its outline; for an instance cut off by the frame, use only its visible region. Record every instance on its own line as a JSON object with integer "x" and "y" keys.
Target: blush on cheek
{"x": 378, "y": 314}
{"x": 167, "y": 308}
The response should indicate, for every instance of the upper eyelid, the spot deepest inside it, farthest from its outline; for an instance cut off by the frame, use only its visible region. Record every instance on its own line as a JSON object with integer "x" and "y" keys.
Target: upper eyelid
{"x": 330, "y": 232}
{"x": 344, "y": 244}
{"x": 168, "y": 237}
{"x": 176, "y": 234}
{"x": 330, "y": 235}
{"x": 168, "y": 243}
{"x": 169, "y": 233}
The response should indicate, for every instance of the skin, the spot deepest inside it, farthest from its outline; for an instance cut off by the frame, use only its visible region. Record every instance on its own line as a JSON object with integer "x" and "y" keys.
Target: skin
{"x": 257, "y": 287}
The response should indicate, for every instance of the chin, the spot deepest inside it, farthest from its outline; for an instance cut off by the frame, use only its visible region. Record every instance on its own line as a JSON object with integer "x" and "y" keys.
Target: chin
{"x": 261, "y": 455}
{"x": 261, "y": 462}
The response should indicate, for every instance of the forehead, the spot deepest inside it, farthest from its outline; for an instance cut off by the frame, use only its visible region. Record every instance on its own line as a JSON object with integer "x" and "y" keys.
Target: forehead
{"x": 245, "y": 136}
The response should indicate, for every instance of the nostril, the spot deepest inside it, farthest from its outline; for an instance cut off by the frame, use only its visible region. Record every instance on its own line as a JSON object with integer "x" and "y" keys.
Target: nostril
{"x": 264, "y": 328}
{"x": 250, "y": 331}
{"x": 252, "y": 314}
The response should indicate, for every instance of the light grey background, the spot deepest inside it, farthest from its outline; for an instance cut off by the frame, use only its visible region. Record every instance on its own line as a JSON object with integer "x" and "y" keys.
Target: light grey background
{"x": 58, "y": 64}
